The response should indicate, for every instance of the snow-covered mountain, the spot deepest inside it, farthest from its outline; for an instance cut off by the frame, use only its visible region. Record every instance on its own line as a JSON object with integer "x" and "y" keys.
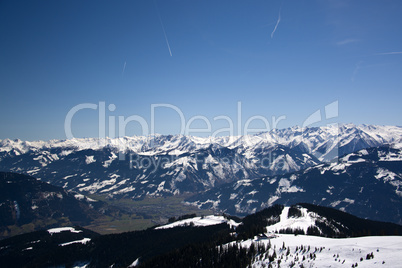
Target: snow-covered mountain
{"x": 366, "y": 183}
{"x": 164, "y": 165}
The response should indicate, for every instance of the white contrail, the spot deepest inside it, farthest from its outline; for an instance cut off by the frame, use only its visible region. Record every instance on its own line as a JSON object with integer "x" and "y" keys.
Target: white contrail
{"x": 167, "y": 41}
{"x": 356, "y": 70}
{"x": 163, "y": 28}
{"x": 346, "y": 42}
{"x": 277, "y": 23}
{"x": 390, "y": 53}
{"x": 124, "y": 68}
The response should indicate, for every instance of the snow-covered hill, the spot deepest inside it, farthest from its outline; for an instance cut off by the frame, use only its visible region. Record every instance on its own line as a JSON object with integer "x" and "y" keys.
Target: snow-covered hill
{"x": 313, "y": 251}
{"x": 165, "y": 165}
{"x": 301, "y": 222}
{"x": 283, "y": 241}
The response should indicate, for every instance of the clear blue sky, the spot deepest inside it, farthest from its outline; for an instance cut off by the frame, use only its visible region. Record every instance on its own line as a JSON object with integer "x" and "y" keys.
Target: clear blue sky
{"x": 277, "y": 58}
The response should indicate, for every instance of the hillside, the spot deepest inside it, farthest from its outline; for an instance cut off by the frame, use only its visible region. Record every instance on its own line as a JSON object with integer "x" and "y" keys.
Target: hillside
{"x": 217, "y": 241}
{"x": 28, "y": 204}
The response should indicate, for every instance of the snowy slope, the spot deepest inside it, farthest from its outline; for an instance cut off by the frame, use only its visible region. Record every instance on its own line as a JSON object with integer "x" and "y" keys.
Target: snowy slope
{"x": 200, "y": 221}
{"x": 329, "y": 252}
{"x": 289, "y": 250}
{"x": 69, "y": 230}
{"x": 285, "y": 222}
{"x": 272, "y": 249}
{"x": 63, "y": 229}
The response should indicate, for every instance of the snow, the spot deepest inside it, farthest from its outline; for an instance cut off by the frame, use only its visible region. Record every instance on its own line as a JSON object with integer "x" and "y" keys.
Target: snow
{"x": 200, "y": 221}
{"x": 250, "y": 148}
{"x": 96, "y": 186}
{"x": 135, "y": 263}
{"x": 82, "y": 241}
{"x": 245, "y": 182}
{"x": 125, "y": 190}
{"x": 69, "y": 176}
{"x": 161, "y": 186}
{"x": 348, "y": 200}
{"x": 390, "y": 177}
{"x": 79, "y": 196}
{"x": 33, "y": 171}
{"x": 232, "y": 196}
{"x": 284, "y": 186}
{"x": 284, "y": 183}
{"x": 89, "y": 159}
{"x": 390, "y": 156}
{"x": 310, "y": 137}
{"x": 83, "y": 197}
{"x": 292, "y": 189}
{"x": 272, "y": 200}
{"x": 63, "y": 229}
{"x": 81, "y": 264}
{"x": 293, "y": 223}
{"x": 336, "y": 252}
{"x": 107, "y": 163}
{"x": 253, "y": 192}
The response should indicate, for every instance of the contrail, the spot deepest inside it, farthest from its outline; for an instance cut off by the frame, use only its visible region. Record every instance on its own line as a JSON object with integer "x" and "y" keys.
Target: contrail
{"x": 277, "y": 23}
{"x": 163, "y": 28}
{"x": 124, "y": 68}
{"x": 390, "y": 53}
{"x": 356, "y": 70}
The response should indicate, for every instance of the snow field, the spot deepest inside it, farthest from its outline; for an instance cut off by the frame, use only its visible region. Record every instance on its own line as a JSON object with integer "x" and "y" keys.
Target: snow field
{"x": 200, "y": 221}
{"x": 328, "y": 252}
{"x": 63, "y": 229}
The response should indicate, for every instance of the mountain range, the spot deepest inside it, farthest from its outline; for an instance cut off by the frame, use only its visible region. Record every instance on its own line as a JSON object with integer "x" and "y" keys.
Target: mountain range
{"x": 234, "y": 174}
{"x": 366, "y": 183}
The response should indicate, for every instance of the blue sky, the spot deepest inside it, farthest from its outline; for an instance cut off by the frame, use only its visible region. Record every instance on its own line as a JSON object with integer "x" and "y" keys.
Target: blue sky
{"x": 278, "y": 58}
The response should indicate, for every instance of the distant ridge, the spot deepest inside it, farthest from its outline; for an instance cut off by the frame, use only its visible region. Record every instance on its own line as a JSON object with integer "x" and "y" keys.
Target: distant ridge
{"x": 157, "y": 165}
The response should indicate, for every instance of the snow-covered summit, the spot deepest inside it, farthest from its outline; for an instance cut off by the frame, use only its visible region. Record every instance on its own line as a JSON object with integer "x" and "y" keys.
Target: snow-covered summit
{"x": 310, "y": 138}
